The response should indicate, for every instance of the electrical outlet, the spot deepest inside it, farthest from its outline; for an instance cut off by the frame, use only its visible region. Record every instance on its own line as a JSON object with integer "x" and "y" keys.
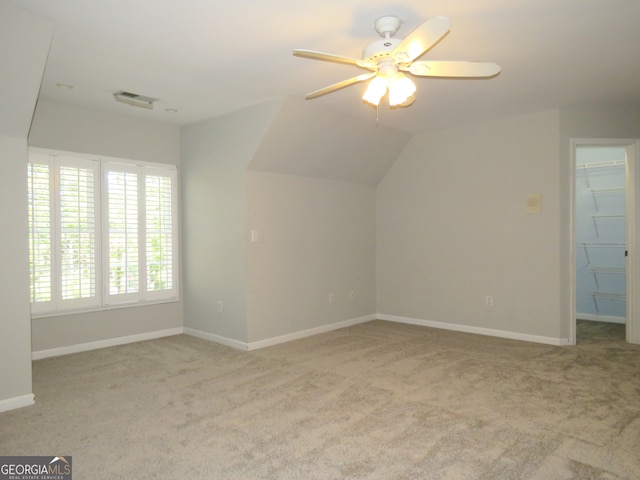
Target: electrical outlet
{"x": 488, "y": 301}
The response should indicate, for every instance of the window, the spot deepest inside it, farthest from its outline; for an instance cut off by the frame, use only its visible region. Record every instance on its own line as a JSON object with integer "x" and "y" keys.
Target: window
{"x": 102, "y": 232}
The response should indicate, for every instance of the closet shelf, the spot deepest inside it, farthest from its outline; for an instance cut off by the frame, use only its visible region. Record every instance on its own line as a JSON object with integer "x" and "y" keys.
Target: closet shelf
{"x": 610, "y": 163}
{"x": 598, "y": 216}
{"x": 588, "y": 245}
{"x": 609, "y": 296}
{"x": 607, "y": 190}
{"x": 606, "y": 270}
{"x": 606, "y": 296}
{"x": 597, "y": 191}
{"x": 601, "y": 244}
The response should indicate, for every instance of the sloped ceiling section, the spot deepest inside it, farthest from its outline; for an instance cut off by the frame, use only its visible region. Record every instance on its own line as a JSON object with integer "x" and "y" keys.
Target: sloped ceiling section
{"x": 24, "y": 45}
{"x": 312, "y": 140}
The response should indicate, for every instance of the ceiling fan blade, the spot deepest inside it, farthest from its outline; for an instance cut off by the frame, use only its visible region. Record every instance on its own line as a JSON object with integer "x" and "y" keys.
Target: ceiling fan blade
{"x": 329, "y": 57}
{"x": 421, "y": 39}
{"x": 453, "y": 69}
{"x": 339, "y": 85}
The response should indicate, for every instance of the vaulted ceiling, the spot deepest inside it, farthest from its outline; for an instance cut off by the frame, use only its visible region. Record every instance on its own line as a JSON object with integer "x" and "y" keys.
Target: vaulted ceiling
{"x": 205, "y": 58}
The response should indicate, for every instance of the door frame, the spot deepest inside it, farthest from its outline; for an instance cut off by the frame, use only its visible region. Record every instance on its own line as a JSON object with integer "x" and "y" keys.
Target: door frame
{"x": 632, "y": 185}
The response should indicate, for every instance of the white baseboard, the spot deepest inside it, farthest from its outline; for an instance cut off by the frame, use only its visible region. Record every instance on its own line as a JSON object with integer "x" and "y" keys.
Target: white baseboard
{"x": 478, "y": 330}
{"x": 269, "y": 342}
{"x": 111, "y": 342}
{"x": 600, "y": 318}
{"x": 16, "y": 402}
{"x": 229, "y": 342}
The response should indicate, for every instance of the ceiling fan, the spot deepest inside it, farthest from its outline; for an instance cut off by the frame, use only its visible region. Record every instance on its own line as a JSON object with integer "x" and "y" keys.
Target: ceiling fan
{"x": 388, "y": 60}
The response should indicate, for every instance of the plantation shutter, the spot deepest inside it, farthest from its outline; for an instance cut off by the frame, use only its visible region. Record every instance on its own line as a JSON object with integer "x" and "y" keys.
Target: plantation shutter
{"x": 100, "y": 242}
{"x": 141, "y": 232}
{"x": 123, "y": 233}
{"x": 159, "y": 235}
{"x": 39, "y": 178}
{"x": 78, "y": 227}
{"x": 64, "y": 240}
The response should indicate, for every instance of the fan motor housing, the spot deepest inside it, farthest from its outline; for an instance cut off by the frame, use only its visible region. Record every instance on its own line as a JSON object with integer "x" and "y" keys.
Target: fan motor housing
{"x": 380, "y": 49}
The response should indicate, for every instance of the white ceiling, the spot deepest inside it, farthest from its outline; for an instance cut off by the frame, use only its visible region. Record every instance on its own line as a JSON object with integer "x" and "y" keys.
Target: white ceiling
{"x": 206, "y": 58}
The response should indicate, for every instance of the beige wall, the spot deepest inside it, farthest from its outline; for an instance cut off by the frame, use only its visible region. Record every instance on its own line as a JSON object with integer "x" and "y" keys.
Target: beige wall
{"x": 445, "y": 228}
{"x": 215, "y": 155}
{"x": 452, "y": 227}
{"x": 68, "y": 128}
{"x": 72, "y": 129}
{"x": 315, "y": 237}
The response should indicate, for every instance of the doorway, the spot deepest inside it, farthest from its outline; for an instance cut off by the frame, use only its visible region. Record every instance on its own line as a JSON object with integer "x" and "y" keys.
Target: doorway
{"x": 604, "y": 240}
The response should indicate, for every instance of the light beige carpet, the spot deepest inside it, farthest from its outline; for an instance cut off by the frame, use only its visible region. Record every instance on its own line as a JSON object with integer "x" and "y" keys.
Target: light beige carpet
{"x": 374, "y": 401}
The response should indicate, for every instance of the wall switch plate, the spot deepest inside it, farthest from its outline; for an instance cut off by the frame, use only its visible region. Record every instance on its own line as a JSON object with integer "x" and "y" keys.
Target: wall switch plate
{"x": 534, "y": 203}
{"x": 254, "y": 236}
{"x": 220, "y": 306}
{"x": 331, "y": 298}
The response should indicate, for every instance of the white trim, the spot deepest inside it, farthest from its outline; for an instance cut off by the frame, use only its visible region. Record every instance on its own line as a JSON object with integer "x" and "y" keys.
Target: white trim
{"x": 269, "y": 342}
{"x": 111, "y": 342}
{"x": 308, "y": 333}
{"x": 229, "y": 342}
{"x": 478, "y": 330}
{"x": 16, "y": 402}
{"x": 573, "y": 143}
{"x": 633, "y": 243}
{"x": 600, "y": 318}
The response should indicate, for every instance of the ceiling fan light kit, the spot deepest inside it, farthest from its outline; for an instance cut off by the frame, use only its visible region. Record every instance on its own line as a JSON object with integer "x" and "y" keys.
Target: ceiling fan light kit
{"x": 401, "y": 89}
{"x": 389, "y": 58}
{"x": 399, "y": 86}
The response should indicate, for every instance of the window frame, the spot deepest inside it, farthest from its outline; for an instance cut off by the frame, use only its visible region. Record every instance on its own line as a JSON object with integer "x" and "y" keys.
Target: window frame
{"x": 103, "y": 299}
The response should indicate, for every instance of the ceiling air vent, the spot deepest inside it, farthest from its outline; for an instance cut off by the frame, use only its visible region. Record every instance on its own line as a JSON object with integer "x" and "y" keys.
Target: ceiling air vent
{"x": 134, "y": 99}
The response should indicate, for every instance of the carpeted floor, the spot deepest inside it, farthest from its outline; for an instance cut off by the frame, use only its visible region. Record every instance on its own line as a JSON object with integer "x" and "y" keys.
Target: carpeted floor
{"x": 588, "y": 331}
{"x": 375, "y": 401}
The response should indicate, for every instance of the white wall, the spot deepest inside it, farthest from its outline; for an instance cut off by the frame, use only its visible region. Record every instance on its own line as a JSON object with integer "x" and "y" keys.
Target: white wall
{"x": 215, "y": 155}
{"x": 307, "y": 138}
{"x": 25, "y": 39}
{"x": 452, "y": 228}
{"x": 63, "y": 127}
{"x": 72, "y": 129}
{"x": 24, "y": 44}
{"x": 15, "y": 331}
{"x": 315, "y": 237}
